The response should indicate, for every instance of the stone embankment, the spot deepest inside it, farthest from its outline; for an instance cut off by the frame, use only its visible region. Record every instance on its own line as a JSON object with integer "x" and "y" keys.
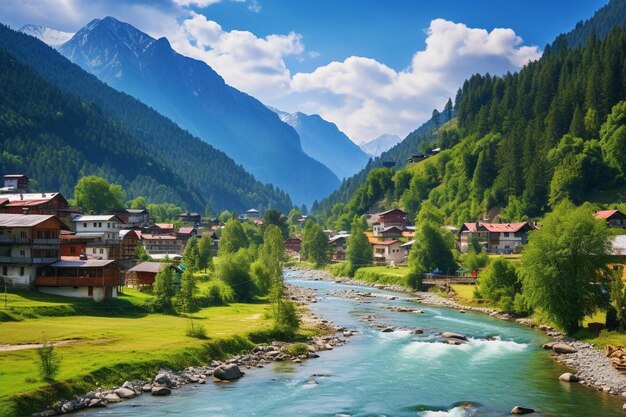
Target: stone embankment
{"x": 216, "y": 371}
{"x": 592, "y": 366}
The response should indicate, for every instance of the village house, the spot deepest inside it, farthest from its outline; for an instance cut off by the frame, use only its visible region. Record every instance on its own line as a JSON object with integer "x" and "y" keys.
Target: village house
{"x": 144, "y": 274}
{"x": 129, "y": 239}
{"x": 107, "y": 228}
{"x": 133, "y": 217}
{"x": 293, "y": 245}
{"x": 386, "y": 233}
{"x": 252, "y": 214}
{"x": 26, "y": 243}
{"x": 338, "y": 245}
{"x": 614, "y": 218}
{"x": 406, "y": 248}
{"x": 162, "y": 244}
{"x": 193, "y": 218}
{"x": 15, "y": 183}
{"x": 495, "y": 237}
{"x": 394, "y": 217}
{"x": 186, "y": 233}
{"x": 160, "y": 229}
{"x": 96, "y": 279}
{"x": 38, "y": 203}
{"x": 388, "y": 252}
{"x": 73, "y": 246}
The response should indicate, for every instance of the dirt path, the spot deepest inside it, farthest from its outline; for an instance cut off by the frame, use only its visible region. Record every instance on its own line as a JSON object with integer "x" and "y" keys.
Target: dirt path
{"x": 8, "y": 348}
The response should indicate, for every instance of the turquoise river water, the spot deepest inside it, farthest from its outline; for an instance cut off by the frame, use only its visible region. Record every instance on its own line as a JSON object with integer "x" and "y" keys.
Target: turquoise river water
{"x": 393, "y": 374}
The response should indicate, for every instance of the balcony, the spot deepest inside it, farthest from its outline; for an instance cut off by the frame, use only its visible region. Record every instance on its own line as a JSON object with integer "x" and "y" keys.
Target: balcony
{"x": 25, "y": 260}
{"x": 47, "y": 281}
{"x": 46, "y": 241}
{"x": 13, "y": 239}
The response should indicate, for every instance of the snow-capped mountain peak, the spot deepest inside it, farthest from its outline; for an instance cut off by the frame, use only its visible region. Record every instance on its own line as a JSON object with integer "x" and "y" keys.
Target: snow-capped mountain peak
{"x": 50, "y": 36}
{"x": 381, "y": 144}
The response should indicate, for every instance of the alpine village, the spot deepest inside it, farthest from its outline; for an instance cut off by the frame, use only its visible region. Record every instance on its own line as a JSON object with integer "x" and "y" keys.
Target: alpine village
{"x": 171, "y": 243}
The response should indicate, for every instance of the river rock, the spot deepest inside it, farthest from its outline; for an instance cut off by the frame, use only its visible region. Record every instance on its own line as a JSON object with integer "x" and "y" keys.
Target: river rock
{"x": 161, "y": 391}
{"x": 146, "y": 388}
{"x": 227, "y": 372}
{"x": 521, "y": 410}
{"x": 112, "y": 398}
{"x": 162, "y": 379}
{"x": 450, "y": 335}
{"x": 417, "y": 331}
{"x": 387, "y": 330}
{"x": 563, "y": 348}
{"x": 68, "y": 407}
{"x": 124, "y": 392}
{"x": 97, "y": 402}
{"x": 568, "y": 377}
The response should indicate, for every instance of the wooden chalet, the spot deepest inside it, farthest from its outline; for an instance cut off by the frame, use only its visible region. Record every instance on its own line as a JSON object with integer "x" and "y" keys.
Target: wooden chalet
{"x": 97, "y": 279}
{"x": 500, "y": 238}
{"x": 144, "y": 274}
{"x": 614, "y": 218}
{"x": 293, "y": 244}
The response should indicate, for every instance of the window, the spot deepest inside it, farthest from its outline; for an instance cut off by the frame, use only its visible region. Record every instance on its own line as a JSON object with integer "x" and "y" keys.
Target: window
{"x": 100, "y": 224}
{"x": 5, "y": 271}
{"x": 95, "y": 224}
{"x": 109, "y": 225}
{"x": 101, "y": 251}
{"x": 72, "y": 249}
{"x": 22, "y": 253}
{"x": 21, "y": 271}
{"x": 94, "y": 251}
{"x": 85, "y": 225}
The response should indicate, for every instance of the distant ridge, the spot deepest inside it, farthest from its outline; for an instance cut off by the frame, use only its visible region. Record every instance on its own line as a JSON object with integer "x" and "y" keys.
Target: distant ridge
{"x": 381, "y": 144}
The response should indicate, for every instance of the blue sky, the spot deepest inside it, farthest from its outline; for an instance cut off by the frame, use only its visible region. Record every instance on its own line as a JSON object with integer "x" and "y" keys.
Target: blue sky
{"x": 370, "y": 66}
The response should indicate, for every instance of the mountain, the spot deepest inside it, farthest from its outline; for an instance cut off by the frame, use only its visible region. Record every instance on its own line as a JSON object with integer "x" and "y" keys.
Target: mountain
{"x": 323, "y": 141}
{"x": 197, "y": 98}
{"x": 383, "y": 143}
{"x": 607, "y": 18}
{"x": 190, "y": 166}
{"x": 47, "y": 35}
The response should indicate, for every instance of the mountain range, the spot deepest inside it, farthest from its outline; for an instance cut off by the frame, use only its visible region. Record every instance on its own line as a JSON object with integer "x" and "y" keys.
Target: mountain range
{"x": 381, "y": 144}
{"x": 323, "y": 141}
{"x": 194, "y": 96}
{"x": 47, "y": 35}
{"x": 82, "y": 126}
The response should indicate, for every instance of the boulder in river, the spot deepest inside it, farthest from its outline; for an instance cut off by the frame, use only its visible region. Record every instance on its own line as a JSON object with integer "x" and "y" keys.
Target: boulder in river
{"x": 161, "y": 391}
{"x": 521, "y": 410}
{"x": 387, "y": 330}
{"x": 227, "y": 372}
{"x": 450, "y": 335}
{"x": 125, "y": 392}
{"x": 563, "y": 348}
{"x": 568, "y": 377}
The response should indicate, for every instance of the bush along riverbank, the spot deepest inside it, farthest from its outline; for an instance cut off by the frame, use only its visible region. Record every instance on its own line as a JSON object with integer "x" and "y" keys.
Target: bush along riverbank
{"x": 228, "y": 360}
{"x": 590, "y": 366}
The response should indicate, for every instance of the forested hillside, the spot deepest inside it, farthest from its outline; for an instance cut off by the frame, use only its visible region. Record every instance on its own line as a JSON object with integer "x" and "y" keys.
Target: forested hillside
{"x": 420, "y": 140}
{"x": 606, "y": 19}
{"x": 202, "y": 170}
{"x": 556, "y": 130}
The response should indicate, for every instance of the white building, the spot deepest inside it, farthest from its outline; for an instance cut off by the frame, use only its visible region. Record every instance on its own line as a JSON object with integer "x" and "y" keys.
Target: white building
{"x": 106, "y": 228}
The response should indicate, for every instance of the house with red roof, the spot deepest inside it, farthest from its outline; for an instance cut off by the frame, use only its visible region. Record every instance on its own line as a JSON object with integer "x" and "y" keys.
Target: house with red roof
{"x": 496, "y": 237}
{"x": 614, "y": 218}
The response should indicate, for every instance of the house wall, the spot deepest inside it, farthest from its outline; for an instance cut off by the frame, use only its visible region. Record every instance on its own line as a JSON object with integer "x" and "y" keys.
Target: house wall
{"x": 98, "y": 293}
{"x": 110, "y": 228}
{"x": 17, "y": 277}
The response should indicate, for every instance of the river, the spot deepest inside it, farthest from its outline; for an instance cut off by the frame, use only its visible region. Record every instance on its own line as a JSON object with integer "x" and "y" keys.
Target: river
{"x": 393, "y": 374}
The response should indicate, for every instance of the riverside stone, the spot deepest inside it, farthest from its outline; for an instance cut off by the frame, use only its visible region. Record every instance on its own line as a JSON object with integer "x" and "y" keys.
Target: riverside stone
{"x": 125, "y": 392}
{"x": 112, "y": 398}
{"x": 450, "y": 335}
{"x": 563, "y": 348}
{"x": 227, "y": 372}
{"x": 161, "y": 391}
{"x": 521, "y": 410}
{"x": 568, "y": 377}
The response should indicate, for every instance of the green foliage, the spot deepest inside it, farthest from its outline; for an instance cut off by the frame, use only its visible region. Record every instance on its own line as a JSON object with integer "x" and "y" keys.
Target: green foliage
{"x": 49, "y": 362}
{"x": 276, "y": 218}
{"x": 613, "y": 137}
{"x": 219, "y": 293}
{"x": 297, "y": 349}
{"x": 185, "y": 300}
{"x": 432, "y": 250}
{"x": 286, "y": 318}
{"x": 163, "y": 290}
{"x": 196, "y": 330}
{"x": 273, "y": 252}
{"x": 261, "y": 275}
{"x": 232, "y": 238}
{"x": 96, "y": 195}
{"x": 165, "y": 212}
{"x": 205, "y": 253}
{"x": 315, "y": 246}
{"x": 140, "y": 253}
{"x": 234, "y": 270}
{"x": 564, "y": 265}
{"x": 474, "y": 261}
{"x": 618, "y": 300}
{"x": 358, "y": 249}
{"x": 137, "y": 203}
{"x": 499, "y": 284}
{"x": 191, "y": 255}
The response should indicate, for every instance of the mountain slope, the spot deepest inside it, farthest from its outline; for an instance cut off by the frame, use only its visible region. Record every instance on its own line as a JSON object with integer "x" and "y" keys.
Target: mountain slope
{"x": 47, "y": 35}
{"x": 196, "y": 97}
{"x": 219, "y": 182}
{"x": 323, "y": 141}
{"x": 381, "y": 144}
{"x": 603, "y": 21}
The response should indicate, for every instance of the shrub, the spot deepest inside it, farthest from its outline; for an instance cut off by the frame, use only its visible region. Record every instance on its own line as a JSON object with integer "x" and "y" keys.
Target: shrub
{"x": 49, "y": 362}
{"x": 297, "y": 349}
{"x": 196, "y": 330}
{"x": 219, "y": 293}
{"x": 414, "y": 280}
{"x": 286, "y": 319}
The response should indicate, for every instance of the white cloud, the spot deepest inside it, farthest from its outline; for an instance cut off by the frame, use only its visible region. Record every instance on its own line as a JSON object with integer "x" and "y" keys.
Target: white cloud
{"x": 366, "y": 98}
{"x": 249, "y": 63}
{"x": 199, "y": 3}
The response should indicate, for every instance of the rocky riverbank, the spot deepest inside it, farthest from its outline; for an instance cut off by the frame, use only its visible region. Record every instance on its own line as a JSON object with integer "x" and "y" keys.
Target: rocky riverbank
{"x": 592, "y": 367}
{"x": 234, "y": 368}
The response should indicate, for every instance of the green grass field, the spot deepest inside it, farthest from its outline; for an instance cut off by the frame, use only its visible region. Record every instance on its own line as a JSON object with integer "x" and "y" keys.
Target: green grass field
{"x": 383, "y": 274}
{"x": 110, "y": 348}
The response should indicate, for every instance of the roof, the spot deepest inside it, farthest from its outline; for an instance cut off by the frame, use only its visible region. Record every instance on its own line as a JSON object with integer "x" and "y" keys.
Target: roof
{"x": 337, "y": 237}
{"x": 91, "y": 263}
{"x": 129, "y": 211}
{"x": 127, "y": 231}
{"x": 154, "y": 267}
{"x": 24, "y": 220}
{"x": 408, "y": 244}
{"x": 186, "y": 230}
{"x": 15, "y": 176}
{"x": 252, "y": 211}
{"x": 496, "y": 227}
{"x": 164, "y": 225}
{"x": 164, "y": 255}
{"x": 95, "y": 218}
{"x": 390, "y": 211}
{"x": 385, "y": 242}
{"x": 606, "y": 214}
{"x": 146, "y": 236}
{"x": 386, "y": 229}
{"x": 28, "y": 199}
